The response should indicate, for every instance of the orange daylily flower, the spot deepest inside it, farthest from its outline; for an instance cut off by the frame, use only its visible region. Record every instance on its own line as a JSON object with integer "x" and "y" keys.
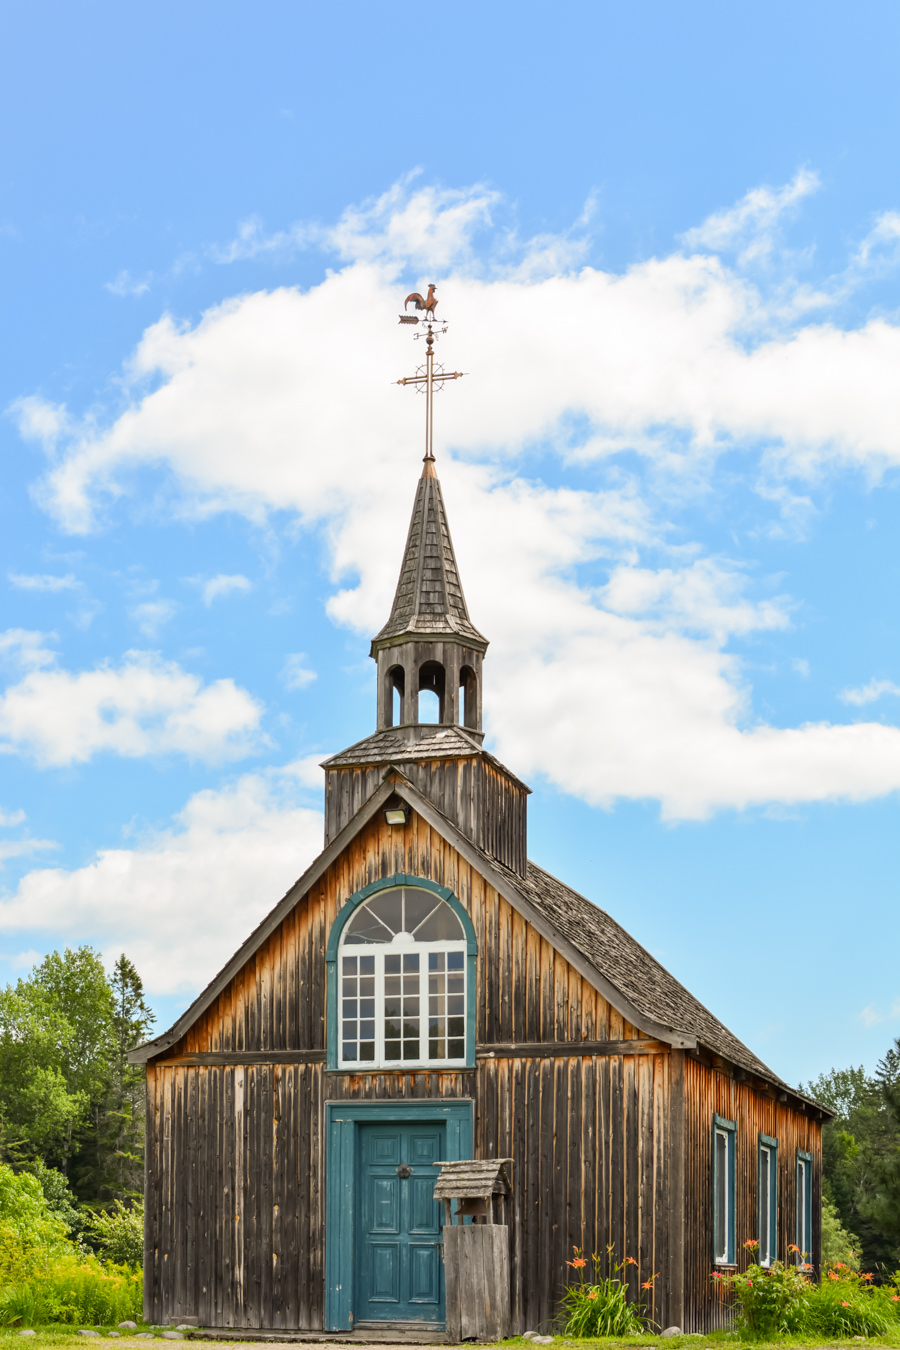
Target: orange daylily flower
{"x": 630, "y": 1261}
{"x": 832, "y": 1276}
{"x": 844, "y": 1303}
{"x": 592, "y": 1294}
{"x": 577, "y": 1263}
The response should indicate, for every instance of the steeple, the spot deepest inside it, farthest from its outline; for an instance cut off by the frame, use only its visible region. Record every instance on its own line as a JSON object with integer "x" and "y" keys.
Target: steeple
{"x": 429, "y": 642}
{"x": 429, "y": 599}
{"x": 429, "y": 646}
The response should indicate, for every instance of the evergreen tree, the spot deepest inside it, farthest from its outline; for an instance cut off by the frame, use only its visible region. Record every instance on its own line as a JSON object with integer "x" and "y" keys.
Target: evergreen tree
{"x": 882, "y": 1207}
{"x": 69, "y": 1100}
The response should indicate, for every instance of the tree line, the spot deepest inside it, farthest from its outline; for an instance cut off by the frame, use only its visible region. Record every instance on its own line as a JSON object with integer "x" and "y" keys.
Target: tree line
{"x": 861, "y": 1161}
{"x": 71, "y": 1106}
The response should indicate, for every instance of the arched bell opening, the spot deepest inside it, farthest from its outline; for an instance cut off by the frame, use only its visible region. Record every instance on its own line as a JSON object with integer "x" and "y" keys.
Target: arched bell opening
{"x": 468, "y": 698}
{"x": 432, "y": 690}
{"x": 394, "y": 690}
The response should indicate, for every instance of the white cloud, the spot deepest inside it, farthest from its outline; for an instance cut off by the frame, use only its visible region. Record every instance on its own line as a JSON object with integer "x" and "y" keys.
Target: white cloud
{"x": 25, "y": 648}
{"x": 144, "y": 707}
{"x": 879, "y": 248}
{"x": 871, "y": 1016}
{"x": 704, "y": 597}
{"x": 182, "y": 900}
{"x": 870, "y": 693}
{"x": 220, "y": 585}
{"x": 10, "y": 818}
{"x": 42, "y": 582}
{"x": 750, "y": 227}
{"x": 126, "y": 285}
{"x": 620, "y": 688}
{"x": 295, "y": 673}
{"x": 23, "y": 848}
{"x": 152, "y": 615}
{"x": 40, "y": 420}
{"x": 431, "y": 228}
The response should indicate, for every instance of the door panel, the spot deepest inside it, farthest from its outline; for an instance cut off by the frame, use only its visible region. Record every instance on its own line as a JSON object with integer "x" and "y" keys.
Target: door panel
{"x": 399, "y": 1273}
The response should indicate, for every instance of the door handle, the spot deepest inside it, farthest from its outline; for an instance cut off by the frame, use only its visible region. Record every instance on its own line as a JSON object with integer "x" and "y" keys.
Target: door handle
{"x": 404, "y": 1171}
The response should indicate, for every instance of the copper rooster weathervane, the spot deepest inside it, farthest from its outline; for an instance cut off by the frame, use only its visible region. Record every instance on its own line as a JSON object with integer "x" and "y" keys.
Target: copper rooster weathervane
{"x": 428, "y": 379}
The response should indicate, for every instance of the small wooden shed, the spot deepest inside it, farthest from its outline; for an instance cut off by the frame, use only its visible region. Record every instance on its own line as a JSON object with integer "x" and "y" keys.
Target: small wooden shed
{"x": 425, "y": 993}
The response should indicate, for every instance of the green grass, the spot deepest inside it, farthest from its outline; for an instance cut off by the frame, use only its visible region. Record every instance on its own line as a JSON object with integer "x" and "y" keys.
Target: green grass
{"x": 716, "y": 1340}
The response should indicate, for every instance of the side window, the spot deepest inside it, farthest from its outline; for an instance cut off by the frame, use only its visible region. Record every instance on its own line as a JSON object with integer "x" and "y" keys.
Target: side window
{"x": 723, "y": 1178}
{"x": 768, "y": 1199}
{"x": 804, "y": 1205}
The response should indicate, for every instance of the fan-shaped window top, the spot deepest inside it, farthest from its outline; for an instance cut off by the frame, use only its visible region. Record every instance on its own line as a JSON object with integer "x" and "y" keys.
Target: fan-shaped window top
{"x": 402, "y": 963}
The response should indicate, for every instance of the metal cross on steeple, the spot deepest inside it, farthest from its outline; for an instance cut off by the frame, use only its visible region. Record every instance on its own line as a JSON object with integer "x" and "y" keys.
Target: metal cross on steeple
{"x": 427, "y": 378}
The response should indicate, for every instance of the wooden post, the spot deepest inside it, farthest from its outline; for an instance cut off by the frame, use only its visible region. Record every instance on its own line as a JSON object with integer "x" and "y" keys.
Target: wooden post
{"x": 476, "y": 1281}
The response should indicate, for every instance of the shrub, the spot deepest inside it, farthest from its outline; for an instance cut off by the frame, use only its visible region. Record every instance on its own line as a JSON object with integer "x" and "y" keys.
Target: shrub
{"x": 117, "y": 1234}
{"x": 599, "y": 1306}
{"x": 845, "y": 1303}
{"x": 768, "y": 1299}
{"x": 77, "y": 1292}
{"x": 31, "y": 1236}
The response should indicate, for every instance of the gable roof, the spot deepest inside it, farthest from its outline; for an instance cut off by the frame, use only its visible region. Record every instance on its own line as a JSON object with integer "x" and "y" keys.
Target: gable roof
{"x": 429, "y": 600}
{"x": 632, "y": 980}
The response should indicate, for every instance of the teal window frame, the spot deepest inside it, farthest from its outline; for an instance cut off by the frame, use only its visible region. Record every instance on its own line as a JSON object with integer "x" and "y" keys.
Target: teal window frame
{"x": 729, "y": 1128}
{"x": 804, "y": 1204}
{"x": 341, "y": 1201}
{"x": 332, "y": 977}
{"x": 768, "y": 1242}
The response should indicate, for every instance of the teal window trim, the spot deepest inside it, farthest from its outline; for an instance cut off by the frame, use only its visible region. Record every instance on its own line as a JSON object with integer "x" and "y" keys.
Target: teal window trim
{"x": 804, "y": 1204}
{"x": 729, "y": 1127}
{"x": 767, "y": 1142}
{"x": 331, "y": 971}
{"x": 341, "y": 1123}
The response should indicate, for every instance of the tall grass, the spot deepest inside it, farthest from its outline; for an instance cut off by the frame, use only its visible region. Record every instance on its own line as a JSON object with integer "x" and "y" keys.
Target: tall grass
{"x": 75, "y": 1292}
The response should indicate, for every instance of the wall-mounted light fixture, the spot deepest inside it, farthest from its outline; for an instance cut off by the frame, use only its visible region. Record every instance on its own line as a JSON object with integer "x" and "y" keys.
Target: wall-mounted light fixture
{"x": 397, "y": 815}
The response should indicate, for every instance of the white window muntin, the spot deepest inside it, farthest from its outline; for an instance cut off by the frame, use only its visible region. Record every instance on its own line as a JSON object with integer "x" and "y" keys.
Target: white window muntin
{"x": 379, "y": 955}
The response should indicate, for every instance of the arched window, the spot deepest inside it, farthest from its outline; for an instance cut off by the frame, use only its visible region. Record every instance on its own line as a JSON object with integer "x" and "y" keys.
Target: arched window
{"x": 395, "y": 683}
{"x": 468, "y": 697}
{"x": 402, "y": 971}
{"x": 432, "y": 683}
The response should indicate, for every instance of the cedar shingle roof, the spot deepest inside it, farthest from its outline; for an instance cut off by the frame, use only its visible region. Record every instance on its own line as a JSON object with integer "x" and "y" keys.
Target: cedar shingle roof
{"x": 391, "y": 746}
{"x": 627, "y": 965}
{"x": 429, "y": 599}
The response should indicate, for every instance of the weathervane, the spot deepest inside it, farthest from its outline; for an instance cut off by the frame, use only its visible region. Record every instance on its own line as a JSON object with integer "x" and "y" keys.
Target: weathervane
{"x": 427, "y": 379}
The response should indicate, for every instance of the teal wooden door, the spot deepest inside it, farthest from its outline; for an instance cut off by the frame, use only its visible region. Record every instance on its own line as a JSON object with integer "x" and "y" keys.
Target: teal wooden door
{"x": 399, "y": 1272}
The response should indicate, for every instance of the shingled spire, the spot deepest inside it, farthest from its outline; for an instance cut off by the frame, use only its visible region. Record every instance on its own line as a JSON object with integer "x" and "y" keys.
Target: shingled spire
{"x": 429, "y": 598}
{"x": 429, "y": 642}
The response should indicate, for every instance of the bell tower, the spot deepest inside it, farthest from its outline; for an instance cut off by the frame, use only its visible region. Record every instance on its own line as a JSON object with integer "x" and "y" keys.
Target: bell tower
{"x": 430, "y": 651}
{"x": 429, "y": 643}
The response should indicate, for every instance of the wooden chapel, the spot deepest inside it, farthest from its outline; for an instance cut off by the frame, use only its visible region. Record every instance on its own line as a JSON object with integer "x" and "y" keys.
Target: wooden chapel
{"x": 425, "y": 993}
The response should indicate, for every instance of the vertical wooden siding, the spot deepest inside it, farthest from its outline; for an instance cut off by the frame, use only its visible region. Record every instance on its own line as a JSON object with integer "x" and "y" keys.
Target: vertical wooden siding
{"x": 709, "y": 1092}
{"x": 235, "y": 1178}
{"x": 484, "y": 802}
{"x": 235, "y": 1185}
{"x": 526, "y": 991}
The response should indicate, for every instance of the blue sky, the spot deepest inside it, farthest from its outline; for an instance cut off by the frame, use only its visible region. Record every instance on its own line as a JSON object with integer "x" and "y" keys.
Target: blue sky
{"x": 667, "y": 240}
